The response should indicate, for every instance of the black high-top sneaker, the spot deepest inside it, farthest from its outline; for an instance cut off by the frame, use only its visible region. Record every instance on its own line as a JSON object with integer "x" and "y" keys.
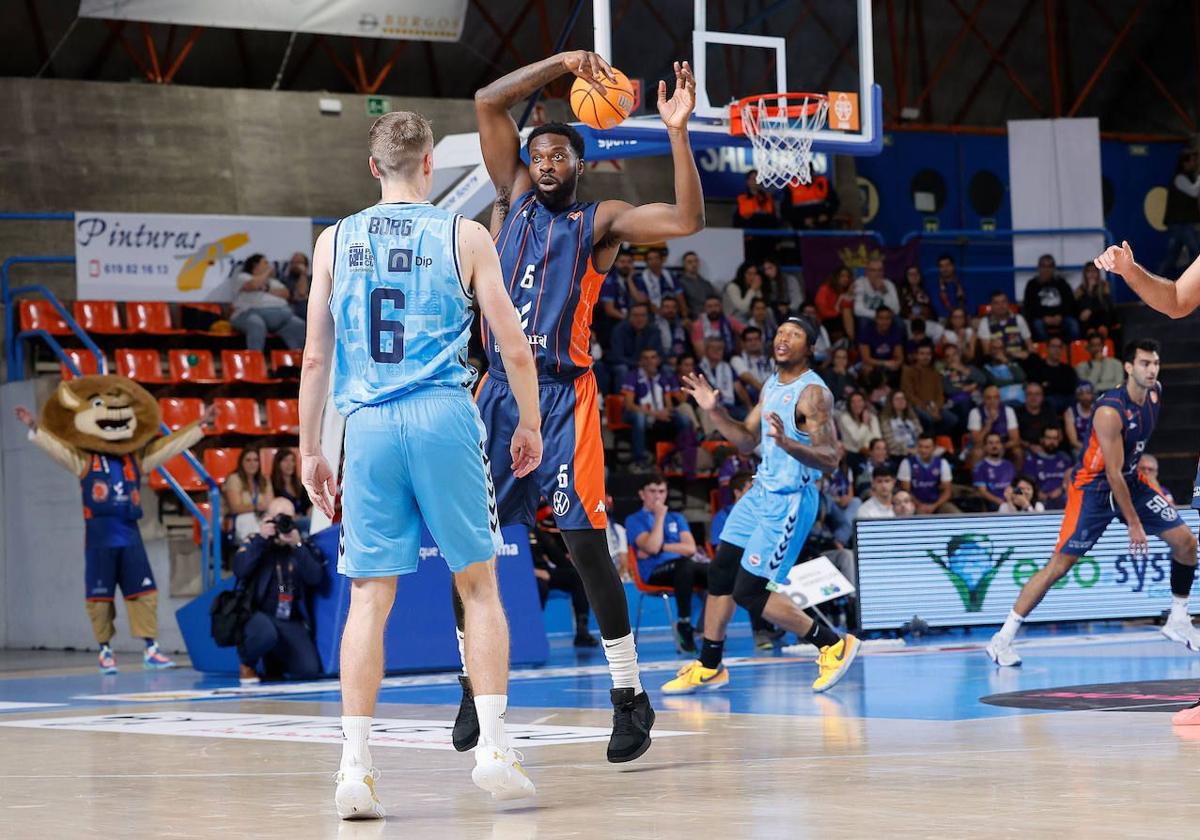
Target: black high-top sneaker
{"x": 466, "y": 725}
{"x": 632, "y": 720}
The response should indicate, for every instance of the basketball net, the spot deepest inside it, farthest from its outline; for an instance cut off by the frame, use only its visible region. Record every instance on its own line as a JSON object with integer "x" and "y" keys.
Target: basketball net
{"x": 782, "y": 135}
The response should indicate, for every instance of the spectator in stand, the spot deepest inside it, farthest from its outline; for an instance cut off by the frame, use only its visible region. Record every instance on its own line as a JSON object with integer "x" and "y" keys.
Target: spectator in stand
{"x": 835, "y": 304}
{"x": 665, "y": 550}
{"x": 1049, "y": 466}
{"x": 685, "y": 405}
{"x": 1104, "y": 372}
{"x": 604, "y": 383}
{"x": 903, "y": 504}
{"x": 780, "y": 288}
{"x": 928, "y": 477}
{"x": 246, "y": 494}
{"x": 879, "y": 504}
{"x": 715, "y": 323}
{"x": 615, "y": 297}
{"x": 763, "y": 320}
{"x": 992, "y": 417}
{"x": 1034, "y": 418}
{"x": 1078, "y": 418}
{"x": 752, "y": 366}
{"x": 810, "y": 206}
{"x": 732, "y": 463}
{"x": 756, "y": 209}
{"x": 552, "y": 569}
{"x": 1182, "y": 213}
{"x": 872, "y": 291}
{"x": 655, "y": 284}
{"x": 1003, "y": 322}
{"x": 618, "y": 543}
{"x": 858, "y": 426}
{"x": 719, "y": 374}
{"x": 1004, "y": 373}
{"x": 1148, "y": 467}
{"x": 961, "y": 383}
{"x": 922, "y": 384}
{"x": 838, "y": 376}
{"x": 1057, "y": 376}
{"x": 285, "y": 484}
{"x": 1050, "y": 303}
{"x": 841, "y": 503}
{"x": 994, "y": 473}
{"x": 297, "y": 278}
{"x": 1097, "y": 309}
{"x": 1021, "y": 497}
{"x": 950, "y": 289}
{"x": 695, "y": 287}
{"x": 914, "y": 300}
{"x": 877, "y": 457}
{"x": 261, "y": 308}
{"x": 650, "y": 398}
{"x": 738, "y": 484}
{"x": 820, "y": 351}
{"x": 742, "y": 291}
{"x": 921, "y": 330}
{"x": 960, "y": 334}
{"x": 629, "y": 338}
{"x": 881, "y": 345}
{"x": 901, "y": 426}
{"x": 675, "y": 337}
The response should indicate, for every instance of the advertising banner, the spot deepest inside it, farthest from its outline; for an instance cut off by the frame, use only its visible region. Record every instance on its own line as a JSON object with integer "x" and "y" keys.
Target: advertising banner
{"x": 955, "y": 571}
{"x": 161, "y": 256}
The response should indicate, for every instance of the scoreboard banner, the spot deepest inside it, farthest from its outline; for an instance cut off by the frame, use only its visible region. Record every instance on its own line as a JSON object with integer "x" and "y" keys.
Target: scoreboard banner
{"x": 956, "y": 571}
{"x": 162, "y": 256}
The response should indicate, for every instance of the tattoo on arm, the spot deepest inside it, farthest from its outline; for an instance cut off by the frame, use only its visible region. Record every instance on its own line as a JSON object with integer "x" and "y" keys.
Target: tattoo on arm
{"x": 814, "y": 414}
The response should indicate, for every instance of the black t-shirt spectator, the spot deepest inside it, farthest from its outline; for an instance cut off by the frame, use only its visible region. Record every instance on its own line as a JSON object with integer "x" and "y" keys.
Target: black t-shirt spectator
{"x": 1031, "y": 425}
{"x": 1059, "y": 380}
{"x": 1054, "y": 297}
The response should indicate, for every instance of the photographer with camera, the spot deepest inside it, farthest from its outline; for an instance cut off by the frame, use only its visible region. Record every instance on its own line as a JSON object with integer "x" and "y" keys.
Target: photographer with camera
{"x": 277, "y": 568}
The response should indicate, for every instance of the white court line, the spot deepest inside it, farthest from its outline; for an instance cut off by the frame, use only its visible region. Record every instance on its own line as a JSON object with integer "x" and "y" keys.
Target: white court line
{"x": 15, "y": 705}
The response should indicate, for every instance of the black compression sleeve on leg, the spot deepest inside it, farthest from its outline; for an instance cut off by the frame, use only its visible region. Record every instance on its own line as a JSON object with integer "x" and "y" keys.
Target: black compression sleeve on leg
{"x": 1181, "y": 579}
{"x": 723, "y": 570}
{"x": 589, "y": 553}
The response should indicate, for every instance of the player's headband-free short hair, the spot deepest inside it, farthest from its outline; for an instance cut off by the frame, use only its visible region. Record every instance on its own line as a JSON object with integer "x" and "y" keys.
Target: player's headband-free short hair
{"x": 1147, "y": 344}
{"x": 398, "y": 140}
{"x": 649, "y": 479}
{"x": 574, "y": 138}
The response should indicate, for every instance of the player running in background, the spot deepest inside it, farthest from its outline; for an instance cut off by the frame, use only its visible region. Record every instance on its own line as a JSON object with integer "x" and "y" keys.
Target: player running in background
{"x": 769, "y": 525}
{"x": 555, "y": 251}
{"x": 390, "y": 312}
{"x": 1107, "y": 484}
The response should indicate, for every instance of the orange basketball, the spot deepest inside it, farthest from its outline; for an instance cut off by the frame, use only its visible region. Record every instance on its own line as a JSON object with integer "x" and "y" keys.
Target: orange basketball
{"x": 605, "y": 111}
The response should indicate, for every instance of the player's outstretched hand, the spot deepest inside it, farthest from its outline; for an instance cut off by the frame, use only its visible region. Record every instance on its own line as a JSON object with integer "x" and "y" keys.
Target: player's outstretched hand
{"x": 676, "y": 110}
{"x": 778, "y": 431}
{"x": 1116, "y": 258}
{"x": 526, "y": 451}
{"x": 590, "y": 67}
{"x": 319, "y": 481}
{"x": 25, "y": 416}
{"x": 1138, "y": 546}
{"x": 697, "y": 387}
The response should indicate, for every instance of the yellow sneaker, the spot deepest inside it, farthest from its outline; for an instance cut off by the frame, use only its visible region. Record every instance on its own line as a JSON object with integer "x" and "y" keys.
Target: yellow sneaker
{"x": 834, "y": 661}
{"x": 694, "y": 677}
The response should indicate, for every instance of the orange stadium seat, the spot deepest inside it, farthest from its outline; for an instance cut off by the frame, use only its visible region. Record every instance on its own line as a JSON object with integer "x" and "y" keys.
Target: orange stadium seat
{"x": 286, "y": 358}
{"x": 182, "y": 472}
{"x": 614, "y": 410}
{"x": 192, "y": 366}
{"x": 221, "y": 462}
{"x": 40, "y": 314}
{"x": 245, "y": 366}
{"x": 85, "y": 360}
{"x": 238, "y": 416}
{"x": 177, "y": 412}
{"x": 283, "y": 417}
{"x": 140, "y": 365}
{"x": 152, "y": 317}
{"x": 99, "y": 316}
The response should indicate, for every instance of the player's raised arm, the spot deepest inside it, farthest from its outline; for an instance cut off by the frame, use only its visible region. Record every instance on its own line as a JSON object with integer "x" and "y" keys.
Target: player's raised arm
{"x": 315, "y": 474}
{"x": 482, "y": 266}
{"x": 621, "y": 221}
{"x": 498, "y": 135}
{"x": 815, "y": 409}
{"x": 1176, "y": 299}
{"x": 1108, "y": 426}
{"x": 745, "y": 435}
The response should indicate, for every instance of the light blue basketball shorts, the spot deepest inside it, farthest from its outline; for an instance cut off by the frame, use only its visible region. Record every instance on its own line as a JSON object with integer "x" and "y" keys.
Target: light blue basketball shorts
{"x": 771, "y": 529}
{"x": 418, "y": 458}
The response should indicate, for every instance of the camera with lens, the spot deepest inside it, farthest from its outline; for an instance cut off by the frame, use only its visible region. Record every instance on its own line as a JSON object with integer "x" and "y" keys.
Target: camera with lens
{"x": 284, "y": 524}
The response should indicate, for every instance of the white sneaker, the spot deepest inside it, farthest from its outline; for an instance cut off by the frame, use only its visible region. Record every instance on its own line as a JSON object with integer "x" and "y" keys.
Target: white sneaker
{"x": 1179, "y": 628}
{"x": 355, "y": 797}
{"x": 499, "y": 772}
{"x": 1002, "y": 653}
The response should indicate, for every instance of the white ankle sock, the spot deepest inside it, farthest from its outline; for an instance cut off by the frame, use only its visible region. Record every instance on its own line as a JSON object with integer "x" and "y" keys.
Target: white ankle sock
{"x": 1011, "y": 625}
{"x": 622, "y": 663}
{"x": 489, "y": 708}
{"x": 355, "y": 731}
{"x": 1179, "y": 608}
{"x": 462, "y": 649}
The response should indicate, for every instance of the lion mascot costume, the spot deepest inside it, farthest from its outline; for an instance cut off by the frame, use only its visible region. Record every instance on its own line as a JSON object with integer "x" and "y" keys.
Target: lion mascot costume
{"x": 104, "y": 429}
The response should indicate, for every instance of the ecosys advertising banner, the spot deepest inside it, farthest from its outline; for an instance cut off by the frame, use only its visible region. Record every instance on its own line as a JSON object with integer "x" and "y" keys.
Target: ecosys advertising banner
{"x": 161, "y": 256}
{"x": 963, "y": 570}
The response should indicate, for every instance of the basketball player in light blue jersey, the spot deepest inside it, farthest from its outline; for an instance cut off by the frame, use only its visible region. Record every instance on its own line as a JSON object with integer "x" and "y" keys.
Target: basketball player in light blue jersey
{"x": 389, "y": 312}
{"x": 769, "y": 525}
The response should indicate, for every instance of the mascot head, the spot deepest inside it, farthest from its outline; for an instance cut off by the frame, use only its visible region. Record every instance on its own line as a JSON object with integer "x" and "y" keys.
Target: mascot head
{"x": 109, "y": 414}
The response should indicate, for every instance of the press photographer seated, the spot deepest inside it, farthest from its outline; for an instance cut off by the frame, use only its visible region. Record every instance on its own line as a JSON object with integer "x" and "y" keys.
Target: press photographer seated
{"x": 277, "y": 569}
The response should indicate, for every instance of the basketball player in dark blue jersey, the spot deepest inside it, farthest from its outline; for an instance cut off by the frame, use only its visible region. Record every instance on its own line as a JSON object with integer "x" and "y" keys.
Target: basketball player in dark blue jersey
{"x": 554, "y": 252}
{"x": 1107, "y": 484}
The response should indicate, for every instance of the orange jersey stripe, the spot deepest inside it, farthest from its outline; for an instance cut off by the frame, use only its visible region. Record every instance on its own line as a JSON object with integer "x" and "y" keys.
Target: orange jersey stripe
{"x": 1070, "y": 516}
{"x": 581, "y": 324}
{"x": 589, "y": 451}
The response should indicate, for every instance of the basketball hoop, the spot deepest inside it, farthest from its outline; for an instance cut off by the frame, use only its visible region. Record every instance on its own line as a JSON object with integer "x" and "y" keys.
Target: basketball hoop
{"x": 781, "y": 127}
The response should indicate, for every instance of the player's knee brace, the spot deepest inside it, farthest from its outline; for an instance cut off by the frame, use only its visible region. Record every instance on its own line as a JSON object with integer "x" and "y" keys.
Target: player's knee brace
{"x": 723, "y": 570}
{"x": 750, "y": 592}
